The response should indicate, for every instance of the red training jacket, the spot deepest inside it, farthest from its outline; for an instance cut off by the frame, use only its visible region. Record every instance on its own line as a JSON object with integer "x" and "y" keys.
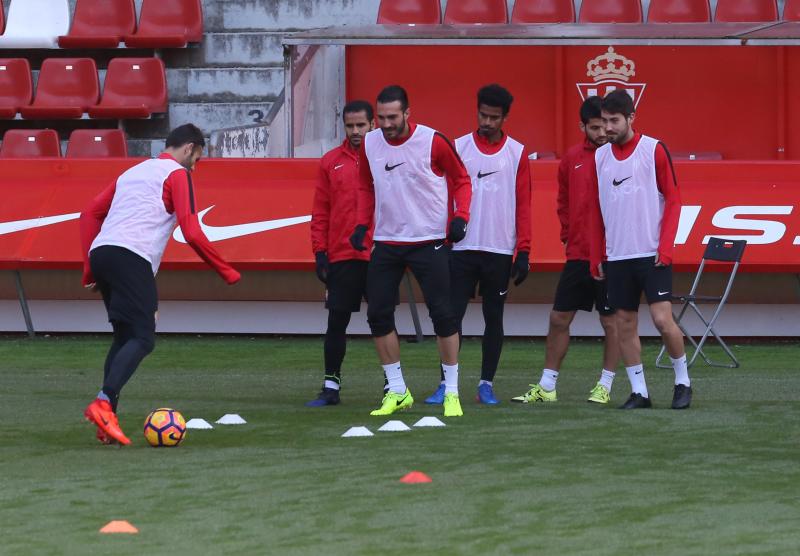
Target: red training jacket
{"x": 574, "y": 190}
{"x": 333, "y": 217}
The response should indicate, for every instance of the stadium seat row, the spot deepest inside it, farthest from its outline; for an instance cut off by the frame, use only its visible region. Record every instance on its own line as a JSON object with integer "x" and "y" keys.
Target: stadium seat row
{"x": 101, "y": 24}
{"x": 592, "y": 11}
{"x": 69, "y": 88}
{"x": 83, "y": 143}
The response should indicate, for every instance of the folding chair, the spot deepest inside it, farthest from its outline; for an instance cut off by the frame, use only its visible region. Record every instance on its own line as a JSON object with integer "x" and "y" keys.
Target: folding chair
{"x": 719, "y": 250}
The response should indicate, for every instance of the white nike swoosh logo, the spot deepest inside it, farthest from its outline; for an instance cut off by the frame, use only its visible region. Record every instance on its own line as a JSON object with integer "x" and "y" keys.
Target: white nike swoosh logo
{"x": 20, "y": 225}
{"x": 437, "y": 247}
{"x": 337, "y": 167}
{"x": 578, "y": 166}
{"x": 503, "y": 293}
{"x": 219, "y": 233}
{"x": 663, "y": 293}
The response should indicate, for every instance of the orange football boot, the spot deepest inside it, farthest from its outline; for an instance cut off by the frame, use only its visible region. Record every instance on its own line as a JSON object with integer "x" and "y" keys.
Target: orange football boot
{"x": 100, "y": 413}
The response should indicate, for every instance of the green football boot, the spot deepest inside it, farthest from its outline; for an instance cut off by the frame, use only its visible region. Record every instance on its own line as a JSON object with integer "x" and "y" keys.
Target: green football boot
{"x": 394, "y": 402}
{"x": 536, "y": 394}
{"x": 452, "y": 405}
{"x": 599, "y": 394}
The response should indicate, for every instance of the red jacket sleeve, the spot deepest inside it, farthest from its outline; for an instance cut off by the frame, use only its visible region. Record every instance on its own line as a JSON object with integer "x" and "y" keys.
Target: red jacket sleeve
{"x": 445, "y": 160}
{"x": 523, "y": 216}
{"x": 668, "y": 186}
{"x": 179, "y": 193}
{"x": 597, "y": 229}
{"x": 321, "y": 212}
{"x": 365, "y": 206}
{"x": 562, "y": 201}
{"x": 91, "y": 221}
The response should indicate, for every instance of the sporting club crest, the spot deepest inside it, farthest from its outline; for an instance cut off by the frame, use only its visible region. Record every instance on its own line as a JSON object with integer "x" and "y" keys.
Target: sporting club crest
{"x": 611, "y": 71}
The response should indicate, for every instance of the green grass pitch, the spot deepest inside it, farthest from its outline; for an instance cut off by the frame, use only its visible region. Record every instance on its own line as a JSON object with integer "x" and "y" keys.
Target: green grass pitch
{"x": 567, "y": 478}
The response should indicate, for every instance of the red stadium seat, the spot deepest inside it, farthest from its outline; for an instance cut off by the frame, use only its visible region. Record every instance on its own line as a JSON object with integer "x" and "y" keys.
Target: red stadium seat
{"x": 168, "y": 24}
{"x": 610, "y": 11}
{"x": 134, "y": 88}
{"x": 67, "y": 88}
{"x": 100, "y": 24}
{"x": 475, "y": 11}
{"x": 16, "y": 86}
{"x": 97, "y": 143}
{"x": 543, "y": 11}
{"x": 30, "y": 143}
{"x": 679, "y": 11}
{"x": 791, "y": 10}
{"x": 410, "y": 11}
{"x": 746, "y": 10}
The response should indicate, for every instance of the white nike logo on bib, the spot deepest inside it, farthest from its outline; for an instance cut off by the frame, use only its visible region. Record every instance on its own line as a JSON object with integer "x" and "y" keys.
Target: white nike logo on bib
{"x": 219, "y": 233}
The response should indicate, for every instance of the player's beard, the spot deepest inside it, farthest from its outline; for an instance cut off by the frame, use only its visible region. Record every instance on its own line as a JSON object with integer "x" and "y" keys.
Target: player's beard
{"x": 620, "y": 137}
{"x": 398, "y": 130}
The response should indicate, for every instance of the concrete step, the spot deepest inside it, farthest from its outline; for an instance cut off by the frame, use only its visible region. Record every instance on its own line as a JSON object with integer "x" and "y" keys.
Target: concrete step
{"x": 224, "y": 84}
{"x": 273, "y": 15}
{"x": 207, "y": 116}
{"x": 230, "y": 49}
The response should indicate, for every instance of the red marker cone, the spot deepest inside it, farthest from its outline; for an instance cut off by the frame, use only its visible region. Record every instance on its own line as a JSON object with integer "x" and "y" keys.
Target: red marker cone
{"x": 121, "y": 526}
{"x": 415, "y": 477}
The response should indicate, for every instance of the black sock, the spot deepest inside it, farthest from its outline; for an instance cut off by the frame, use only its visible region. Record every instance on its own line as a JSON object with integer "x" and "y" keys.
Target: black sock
{"x": 126, "y": 360}
{"x": 492, "y": 338}
{"x": 336, "y": 344}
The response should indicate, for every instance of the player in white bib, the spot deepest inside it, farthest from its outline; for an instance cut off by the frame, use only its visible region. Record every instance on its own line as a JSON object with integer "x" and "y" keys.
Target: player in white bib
{"x": 634, "y": 219}
{"x": 499, "y": 228}
{"x": 416, "y": 190}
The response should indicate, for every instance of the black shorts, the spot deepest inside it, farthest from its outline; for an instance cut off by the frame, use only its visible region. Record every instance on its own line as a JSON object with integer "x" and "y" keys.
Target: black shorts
{"x": 488, "y": 272}
{"x": 127, "y": 285}
{"x": 347, "y": 284}
{"x": 629, "y": 278}
{"x": 577, "y": 290}
{"x": 430, "y": 264}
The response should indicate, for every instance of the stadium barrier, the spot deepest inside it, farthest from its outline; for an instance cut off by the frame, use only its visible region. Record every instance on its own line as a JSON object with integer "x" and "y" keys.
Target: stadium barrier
{"x": 257, "y": 213}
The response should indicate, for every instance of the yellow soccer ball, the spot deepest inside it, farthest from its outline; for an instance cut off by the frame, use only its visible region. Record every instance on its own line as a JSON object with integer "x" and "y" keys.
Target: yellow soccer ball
{"x": 164, "y": 427}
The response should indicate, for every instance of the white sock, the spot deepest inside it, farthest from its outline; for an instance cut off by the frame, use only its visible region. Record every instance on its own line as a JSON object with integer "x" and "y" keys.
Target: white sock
{"x": 636, "y": 376}
{"x": 607, "y": 378}
{"x": 102, "y": 396}
{"x": 681, "y": 370}
{"x": 450, "y": 378}
{"x": 332, "y": 384}
{"x": 548, "y": 380}
{"x": 394, "y": 375}
{"x": 482, "y": 382}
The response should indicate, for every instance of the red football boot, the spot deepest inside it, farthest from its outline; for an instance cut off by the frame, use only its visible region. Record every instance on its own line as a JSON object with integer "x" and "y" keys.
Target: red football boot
{"x": 100, "y": 413}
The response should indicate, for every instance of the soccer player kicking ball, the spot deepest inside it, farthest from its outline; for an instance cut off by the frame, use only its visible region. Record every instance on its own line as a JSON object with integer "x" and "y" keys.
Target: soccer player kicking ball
{"x": 409, "y": 173}
{"x": 500, "y": 225}
{"x": 341, "y": 268}
{"x": 123, "y": 235}
{"x": 635, "y": 209}
{"x": 576, "y": 289}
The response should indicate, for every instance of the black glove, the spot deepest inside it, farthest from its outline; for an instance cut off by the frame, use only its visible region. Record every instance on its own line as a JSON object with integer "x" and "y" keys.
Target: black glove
{"x": 357, "y": 239}
{"x": 323, "y": 266}
{"x": 520, "y": 268}
{"x": 458, "y": 229}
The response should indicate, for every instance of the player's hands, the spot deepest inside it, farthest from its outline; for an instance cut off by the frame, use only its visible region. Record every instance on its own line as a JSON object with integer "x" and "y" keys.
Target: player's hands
{"x": 357, "y": 239}
{"x": 232, "y": 277}
{"x": 659, "y": 261}
{"x": 458, "y": 229}
{"x": 601, "y": 274}
{"x": 521, "y": 267}
{"x": 323, "y": 266}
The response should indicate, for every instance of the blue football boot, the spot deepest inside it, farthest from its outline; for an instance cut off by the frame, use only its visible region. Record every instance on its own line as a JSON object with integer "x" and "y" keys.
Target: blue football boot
{"x": 486, "y": 395}
{"x": 437, "y": 398}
